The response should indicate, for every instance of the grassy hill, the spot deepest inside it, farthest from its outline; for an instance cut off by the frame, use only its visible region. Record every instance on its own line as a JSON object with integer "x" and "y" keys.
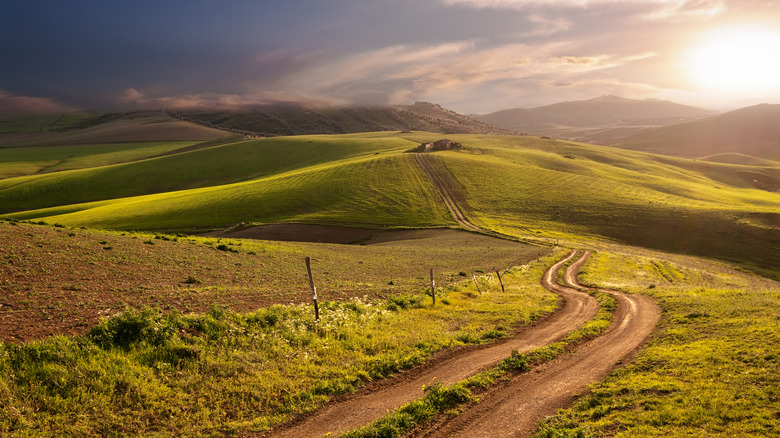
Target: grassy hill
{"x": 222, "y": 164}
{"x": 601, "y": 119}
{"x": 750, "y": 131}
{"x": 526, "y": 186}
{"x": 74, "y": 129}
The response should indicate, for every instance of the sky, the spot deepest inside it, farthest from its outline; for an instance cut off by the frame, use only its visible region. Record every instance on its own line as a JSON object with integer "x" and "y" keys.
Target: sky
{"x": 470, "y": 56}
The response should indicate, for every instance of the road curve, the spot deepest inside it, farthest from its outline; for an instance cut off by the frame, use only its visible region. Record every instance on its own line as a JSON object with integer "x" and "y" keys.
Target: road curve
{"x": 449, "y": 201}
{"x": 575, "y": 309}
{"x": 515, "y": 409}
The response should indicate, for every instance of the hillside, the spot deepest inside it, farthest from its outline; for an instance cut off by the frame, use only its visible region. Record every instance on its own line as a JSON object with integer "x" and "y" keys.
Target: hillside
{"x": 81, "y": 129}
{"x": 753, "y": 131}
{"x": 524, "y": 186}
{"x": 273, "y": 120}
{"x": 600, "y": 120}
{"x": 211, "y": 166}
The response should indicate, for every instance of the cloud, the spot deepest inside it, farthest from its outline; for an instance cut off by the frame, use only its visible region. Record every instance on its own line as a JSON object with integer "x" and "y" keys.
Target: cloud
{"x": 459, "y": 72}
{"x": 656, "y": 9}
{"x": 131, "y": 98}
{"x": 15, "y": 104}
{"x": 545, "y": 26}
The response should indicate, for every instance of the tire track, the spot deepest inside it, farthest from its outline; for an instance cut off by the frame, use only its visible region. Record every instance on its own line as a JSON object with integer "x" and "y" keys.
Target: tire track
{"x": 449, "y": 201}
{"x": 515, "y": 409}
{"x": 575, "y": 309}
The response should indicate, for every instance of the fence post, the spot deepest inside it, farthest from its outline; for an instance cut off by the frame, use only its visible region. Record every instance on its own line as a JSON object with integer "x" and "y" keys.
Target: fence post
{"x": 501, "y": 282}
{"x": 474, "y": 276}
{"x": 313, "y": 289}
{"x": 433, "y": 290}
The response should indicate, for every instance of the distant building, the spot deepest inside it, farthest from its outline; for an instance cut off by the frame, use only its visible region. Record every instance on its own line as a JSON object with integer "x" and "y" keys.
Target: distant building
{"x": 439, "y": 145}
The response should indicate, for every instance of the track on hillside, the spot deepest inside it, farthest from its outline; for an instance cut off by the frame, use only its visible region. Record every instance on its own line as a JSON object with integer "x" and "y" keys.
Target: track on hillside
{"x": 514, "y": 409}
{"x": 366, "y": 406}
{"x": 452, "y": 206}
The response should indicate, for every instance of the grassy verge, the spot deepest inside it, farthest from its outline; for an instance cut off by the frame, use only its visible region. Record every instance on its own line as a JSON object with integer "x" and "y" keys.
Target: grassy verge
{"x": 450, "y": 400}
{"x": 712, "y": 370}
{"x": 146, "y": 374}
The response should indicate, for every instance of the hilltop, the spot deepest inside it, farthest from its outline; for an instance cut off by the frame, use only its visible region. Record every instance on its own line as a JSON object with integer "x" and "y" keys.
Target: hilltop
{"x": 599, "y": 120}
{"x": 752, "y": 131}
{"x": 275, "y": 120}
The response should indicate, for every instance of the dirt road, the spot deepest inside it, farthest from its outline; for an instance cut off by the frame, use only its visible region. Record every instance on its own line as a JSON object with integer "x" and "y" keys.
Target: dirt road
{"x": 456, "y": 212}
{"x": 514, "y": 410}
{"x": 363, "y": 408}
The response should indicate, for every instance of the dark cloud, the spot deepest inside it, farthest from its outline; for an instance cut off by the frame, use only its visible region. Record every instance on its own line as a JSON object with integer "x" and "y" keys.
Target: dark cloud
{"x": 460, "y": 53}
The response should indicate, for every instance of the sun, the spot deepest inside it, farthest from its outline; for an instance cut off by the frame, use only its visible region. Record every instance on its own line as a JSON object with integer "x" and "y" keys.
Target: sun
{"x": 744, "y": 59}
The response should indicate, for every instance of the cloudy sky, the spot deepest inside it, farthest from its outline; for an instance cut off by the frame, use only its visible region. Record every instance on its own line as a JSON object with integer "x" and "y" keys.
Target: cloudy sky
{"x": 468, "y": 55}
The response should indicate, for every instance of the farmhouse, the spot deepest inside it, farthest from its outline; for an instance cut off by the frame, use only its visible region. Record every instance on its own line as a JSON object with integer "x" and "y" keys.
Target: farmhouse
{"x": 439, "y": 145}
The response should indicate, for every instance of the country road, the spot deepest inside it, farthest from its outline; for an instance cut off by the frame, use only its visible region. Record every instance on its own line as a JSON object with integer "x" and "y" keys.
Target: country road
{"x": 513, "y": 410}
{"x": 364, "y": 407}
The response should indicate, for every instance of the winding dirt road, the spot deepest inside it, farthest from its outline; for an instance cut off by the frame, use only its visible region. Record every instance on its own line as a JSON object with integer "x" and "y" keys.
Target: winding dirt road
{"x": 364, "y": 407}
{"x": 513, "y": 410}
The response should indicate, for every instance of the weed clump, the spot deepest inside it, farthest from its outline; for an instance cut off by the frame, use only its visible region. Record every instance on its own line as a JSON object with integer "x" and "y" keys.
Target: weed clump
{"x": 134, "y": 327}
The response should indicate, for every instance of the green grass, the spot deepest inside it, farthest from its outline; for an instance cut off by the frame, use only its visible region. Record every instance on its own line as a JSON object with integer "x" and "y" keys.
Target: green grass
{"x": 49, "y": 159}
{"x": 375, "y": 192}
{"x": 201, "y": 168}
{"x": 525, "y": 186}
{"x": 145, "y": 374}
{"x": 711, "y": 370}
{"x": 551, "y": 190}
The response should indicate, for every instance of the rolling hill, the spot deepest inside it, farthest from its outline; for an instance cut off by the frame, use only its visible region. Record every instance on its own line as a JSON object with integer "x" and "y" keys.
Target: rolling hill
{"x": 752, "y": 131}
{"x": 599, "y": 120}
{"x": 82, "y": 129}
{"x": 533, "y": 188}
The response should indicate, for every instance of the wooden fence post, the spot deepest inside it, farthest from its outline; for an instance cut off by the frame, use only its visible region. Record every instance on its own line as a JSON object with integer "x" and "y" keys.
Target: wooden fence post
{"x": 501, "y": 282}
{"x": 474, "y": 276}
{"x": 313, "y": 289}
{"x": 433, "y": 290}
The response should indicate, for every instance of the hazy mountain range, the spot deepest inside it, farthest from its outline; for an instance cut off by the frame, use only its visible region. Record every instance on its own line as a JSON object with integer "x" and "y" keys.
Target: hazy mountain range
{"x": 600, "y": 120}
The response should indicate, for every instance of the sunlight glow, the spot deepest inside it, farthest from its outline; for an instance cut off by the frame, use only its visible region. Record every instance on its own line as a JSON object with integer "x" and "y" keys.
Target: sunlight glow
{"x": 743, "y": 59}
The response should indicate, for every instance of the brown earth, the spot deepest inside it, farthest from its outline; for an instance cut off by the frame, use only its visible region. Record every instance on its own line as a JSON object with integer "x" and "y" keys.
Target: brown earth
{"x": 368, "y": 405}
{"x": 60, "y": 281}
{"x": 514, "y": 409}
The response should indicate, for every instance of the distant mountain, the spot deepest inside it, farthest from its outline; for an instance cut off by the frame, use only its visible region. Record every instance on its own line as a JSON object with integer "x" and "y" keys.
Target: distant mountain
{"x": 275, "y": 120}
{"x": 601, "y": 120}
{"x": 753, "y": 131}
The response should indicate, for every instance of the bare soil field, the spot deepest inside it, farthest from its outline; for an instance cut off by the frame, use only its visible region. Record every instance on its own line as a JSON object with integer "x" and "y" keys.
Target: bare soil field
{"x": 62, "y": 281}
